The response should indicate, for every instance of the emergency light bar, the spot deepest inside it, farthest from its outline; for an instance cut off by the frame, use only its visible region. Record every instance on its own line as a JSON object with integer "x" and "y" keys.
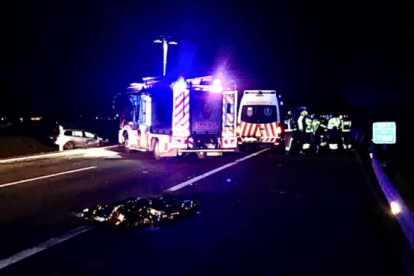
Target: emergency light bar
{"x": 151, "y": 80}
{"x": 216, "y": 87}
{"x": 198, "y": 80}
{"x": 260, "y": 92}
{"x": 136, "y": 86}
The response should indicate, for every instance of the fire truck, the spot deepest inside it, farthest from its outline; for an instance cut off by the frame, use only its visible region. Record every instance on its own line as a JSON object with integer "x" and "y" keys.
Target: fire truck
{"x": 259, "y": 119}
{"x": 173, "y": 117}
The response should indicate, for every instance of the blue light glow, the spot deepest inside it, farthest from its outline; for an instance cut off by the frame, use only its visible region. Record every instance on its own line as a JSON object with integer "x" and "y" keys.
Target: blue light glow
{"x": 217, "y": 87}
{"x": 179, "y": 85}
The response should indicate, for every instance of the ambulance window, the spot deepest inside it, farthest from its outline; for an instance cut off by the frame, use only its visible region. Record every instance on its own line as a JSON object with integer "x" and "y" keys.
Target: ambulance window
{"x": 259, "y": 114}
{"x": 248, "y": 114}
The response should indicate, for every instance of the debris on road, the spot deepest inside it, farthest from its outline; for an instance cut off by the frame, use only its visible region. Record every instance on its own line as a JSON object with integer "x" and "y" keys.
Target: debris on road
{"x": 137, "y": 212}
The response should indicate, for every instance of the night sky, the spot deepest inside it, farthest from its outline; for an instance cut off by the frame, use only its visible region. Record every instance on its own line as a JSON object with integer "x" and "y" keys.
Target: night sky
{"x": 71, "y": 57}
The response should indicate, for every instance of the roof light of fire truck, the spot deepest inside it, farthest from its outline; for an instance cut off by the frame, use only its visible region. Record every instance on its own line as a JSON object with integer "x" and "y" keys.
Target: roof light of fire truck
{"x": 179, "y": 85}
{"x": 217, "y": 87}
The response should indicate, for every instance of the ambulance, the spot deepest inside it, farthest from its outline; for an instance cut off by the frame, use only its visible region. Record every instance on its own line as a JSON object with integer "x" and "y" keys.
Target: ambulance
{"x": 172, "y": 117}
{"x": 259, "y": 118}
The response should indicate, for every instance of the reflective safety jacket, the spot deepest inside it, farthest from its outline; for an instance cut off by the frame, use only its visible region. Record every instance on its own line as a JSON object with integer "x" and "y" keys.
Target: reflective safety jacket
{"x": 290, "y": 124}
{"x": 315, "y": 124}
{"x": 334, "y": 122}
{"x": 346, "y": 125}
{"x": 309, "y": 127}
{"x": 300, "y": 122}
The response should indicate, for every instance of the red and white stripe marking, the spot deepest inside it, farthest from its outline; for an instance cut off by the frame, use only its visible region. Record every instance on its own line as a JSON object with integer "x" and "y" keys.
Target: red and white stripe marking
{"x": 268, "y": 140}
{"x": 227, "y": 119}
{"x": 258, "y": 130}
{"x": 182, "y": 111}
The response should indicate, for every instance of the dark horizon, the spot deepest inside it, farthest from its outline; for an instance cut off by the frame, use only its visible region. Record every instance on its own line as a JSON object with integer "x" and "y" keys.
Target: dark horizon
{"x": 63, "y": 59}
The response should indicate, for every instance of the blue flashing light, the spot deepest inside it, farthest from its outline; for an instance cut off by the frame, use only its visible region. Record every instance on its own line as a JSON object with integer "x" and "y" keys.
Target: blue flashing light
{"x": 217, "y": 87}
{"x": 179, "y": 85}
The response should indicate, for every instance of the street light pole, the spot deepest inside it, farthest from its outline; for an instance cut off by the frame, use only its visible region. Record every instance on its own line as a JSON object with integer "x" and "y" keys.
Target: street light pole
{"x": 165, "y": 43}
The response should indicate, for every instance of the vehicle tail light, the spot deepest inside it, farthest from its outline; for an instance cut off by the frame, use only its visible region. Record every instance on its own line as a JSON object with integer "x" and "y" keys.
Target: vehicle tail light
{"x": 279, "y": 130}
{"x": 229, "y": 142}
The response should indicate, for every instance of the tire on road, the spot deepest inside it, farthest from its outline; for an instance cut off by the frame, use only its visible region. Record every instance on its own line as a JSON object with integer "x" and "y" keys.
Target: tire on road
{"x": 69, "y": 146}
{"x": 201, "y": 155}
{"x": 126, "y": 142}
{"x": 156, "y": 150}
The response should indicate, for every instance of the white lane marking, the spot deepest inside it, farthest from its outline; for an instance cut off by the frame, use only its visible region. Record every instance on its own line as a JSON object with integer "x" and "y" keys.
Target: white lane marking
{"x": 43, "y": 246}
{"x": 45, "y": 176}
{"x": 195, "y": 179}
{"x": 55, "y": 154}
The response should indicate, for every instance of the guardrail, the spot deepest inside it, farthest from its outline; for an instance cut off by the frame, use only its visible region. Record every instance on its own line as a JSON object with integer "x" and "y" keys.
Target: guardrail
{"x": 397, "y": 204}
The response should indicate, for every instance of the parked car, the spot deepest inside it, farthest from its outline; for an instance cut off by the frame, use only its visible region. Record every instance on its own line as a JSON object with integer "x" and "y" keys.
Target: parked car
{"x": 75, "y": 138}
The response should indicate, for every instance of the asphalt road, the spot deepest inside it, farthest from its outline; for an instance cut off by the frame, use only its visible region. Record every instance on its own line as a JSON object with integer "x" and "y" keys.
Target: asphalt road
{"x": 270, "y": 214}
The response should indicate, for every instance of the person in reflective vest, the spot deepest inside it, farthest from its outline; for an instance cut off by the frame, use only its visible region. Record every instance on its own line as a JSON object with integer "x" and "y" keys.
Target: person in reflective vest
{"x": 315, "y": 140}
{"x": 301, "y": 128}
{"x": 308, "y": 131}
{"x": 333, "y": 132}
{"x": 323, "y": 130}
{"x": 301, "y": 118}
{"x": 290, "y": 131}
{"x": 345, "y": 127}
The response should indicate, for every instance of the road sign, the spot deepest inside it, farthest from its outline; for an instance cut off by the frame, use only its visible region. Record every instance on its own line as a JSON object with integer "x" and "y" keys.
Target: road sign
{"x": 384, "y": 133}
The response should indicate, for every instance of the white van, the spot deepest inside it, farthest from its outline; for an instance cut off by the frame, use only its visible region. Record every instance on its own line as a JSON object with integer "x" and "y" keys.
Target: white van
{"x": 259, "y": 118}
